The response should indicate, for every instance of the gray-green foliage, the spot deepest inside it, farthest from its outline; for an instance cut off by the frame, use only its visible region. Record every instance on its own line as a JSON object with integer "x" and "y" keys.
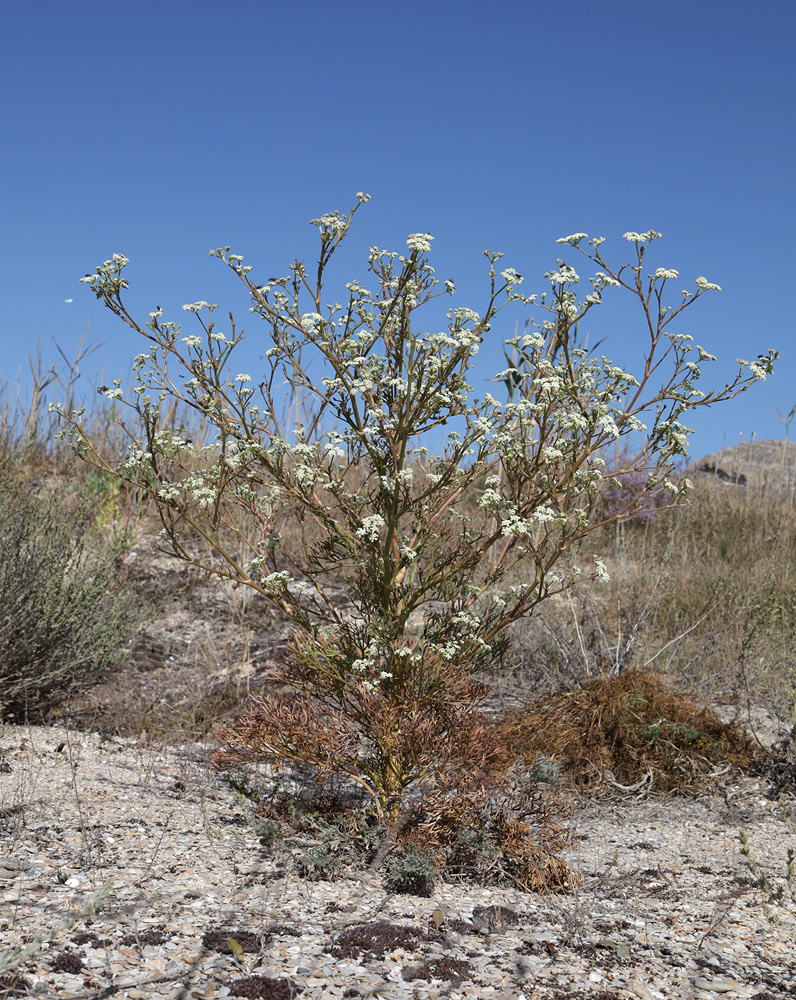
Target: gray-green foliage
{"x": 66, "y": 612}
{"x": 545, "y": 770}
{"x": 319, "y": 861}
{"x": 413, "y": 871}
{"x": 783, "y": 895}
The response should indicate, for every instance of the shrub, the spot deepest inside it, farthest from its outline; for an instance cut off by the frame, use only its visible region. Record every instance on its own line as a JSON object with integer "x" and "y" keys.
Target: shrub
{"x": 490, "y": 830}
{"x": 387, "y": 692}
{"x": 65, "y": 610}
{"x": 413, "y": 872}
{"x": 626, "y": 494}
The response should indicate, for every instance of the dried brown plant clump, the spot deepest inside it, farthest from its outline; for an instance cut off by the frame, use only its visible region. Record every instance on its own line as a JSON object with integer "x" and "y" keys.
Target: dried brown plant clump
{"x": 86, "y": 937}
{"x": 218, "y": 938}
{"x": 628, "y": 728}
{"x": 68, "y": 961}
{"x": 263, "y": 988}
{"x": 13, "y": 984}
{"x": 494, "y": 830}
{"x": 445, "y": 968}
{"x": 373, "y": 940}
{"x": 476, "y": 826}
{"x": 153, "y": 937}
{"x": 434, "y": 737}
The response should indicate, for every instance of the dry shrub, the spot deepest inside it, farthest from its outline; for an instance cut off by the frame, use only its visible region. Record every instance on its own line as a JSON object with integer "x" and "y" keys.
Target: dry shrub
{"x": 385, "y": 743}
{"x": 263, "y": 988}
{"x": 493, "y": 830}
{"x": 626, "y": 728}
{"x": 714, "y": 591}
{"x": 218, "y": 938}
{"x": 472, "y": 827}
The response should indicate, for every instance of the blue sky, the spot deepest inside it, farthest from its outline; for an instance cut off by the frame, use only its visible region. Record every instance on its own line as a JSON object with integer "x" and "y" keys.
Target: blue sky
{"x": 161, "y": 130}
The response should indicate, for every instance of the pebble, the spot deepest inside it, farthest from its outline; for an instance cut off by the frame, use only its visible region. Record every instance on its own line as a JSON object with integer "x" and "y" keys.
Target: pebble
{"x": 715, "y": 985}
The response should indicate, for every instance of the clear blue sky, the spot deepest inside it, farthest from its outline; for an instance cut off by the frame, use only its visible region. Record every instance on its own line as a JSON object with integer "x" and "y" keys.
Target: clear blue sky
{"x": 161, "y": 130}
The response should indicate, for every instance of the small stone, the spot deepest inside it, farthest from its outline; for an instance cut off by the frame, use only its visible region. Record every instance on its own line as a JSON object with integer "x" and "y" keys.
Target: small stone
{"x": 716, "y": 985}
{"x": 10, "y": 867}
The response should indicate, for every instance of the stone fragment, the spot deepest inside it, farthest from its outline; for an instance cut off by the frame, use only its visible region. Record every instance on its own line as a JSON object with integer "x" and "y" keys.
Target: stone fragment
{"x": 716, "y": 985}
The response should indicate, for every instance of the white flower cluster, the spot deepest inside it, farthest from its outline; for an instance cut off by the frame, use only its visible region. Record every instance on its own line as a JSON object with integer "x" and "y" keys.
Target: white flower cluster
{"x": 565, "y": 275}
{"x": 107, "y": 278}
{"x": 136, "y": 461}
{"x": 331, "y": 224}
{"x": 311, "y": 321}
{"x": 602, "y": 280}
{"x": 574, "y": 239}
{"x": 491, "y": 498}
{"x": 419, "y": 242}
{"x": 405, "y": 476}
{"x": 642, "y": 237}
{"x": 371, "y": 528}
{"x": 514, "y": 525}
{"x": 511, "y": 276}
{"x": 169, "y": 493}
{"x": 408, "y": 553}
{"x": 759, "y": 371}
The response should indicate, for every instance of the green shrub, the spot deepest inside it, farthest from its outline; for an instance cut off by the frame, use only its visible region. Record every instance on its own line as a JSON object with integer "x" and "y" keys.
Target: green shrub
{"x": 413, "y": 872}
{"x": 319, "y": 862}
{"x": 66, "y": 612}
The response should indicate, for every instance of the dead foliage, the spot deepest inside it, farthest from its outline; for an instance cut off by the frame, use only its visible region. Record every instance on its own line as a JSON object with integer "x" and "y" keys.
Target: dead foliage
{"x": 628, "y": 729}
{"x": 13, "y": 984}
{"x": 218, "y": 939}
{"x": 445, "y": 968}
{"x": 473, "y": 828}
{"x": 263, "y": 988}
{"x": 154, "y": 936}
{"x": 374, "y": 940}
{"x": 68, "y": 961}
{"x": 494, "y": 831}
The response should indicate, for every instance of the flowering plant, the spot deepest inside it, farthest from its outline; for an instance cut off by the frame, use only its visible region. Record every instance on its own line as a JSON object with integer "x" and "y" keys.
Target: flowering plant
{"x": 428, "y": 547}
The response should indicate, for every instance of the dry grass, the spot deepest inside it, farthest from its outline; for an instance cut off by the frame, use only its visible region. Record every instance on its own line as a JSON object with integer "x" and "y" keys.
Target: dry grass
{"x": 705, "y": 594}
